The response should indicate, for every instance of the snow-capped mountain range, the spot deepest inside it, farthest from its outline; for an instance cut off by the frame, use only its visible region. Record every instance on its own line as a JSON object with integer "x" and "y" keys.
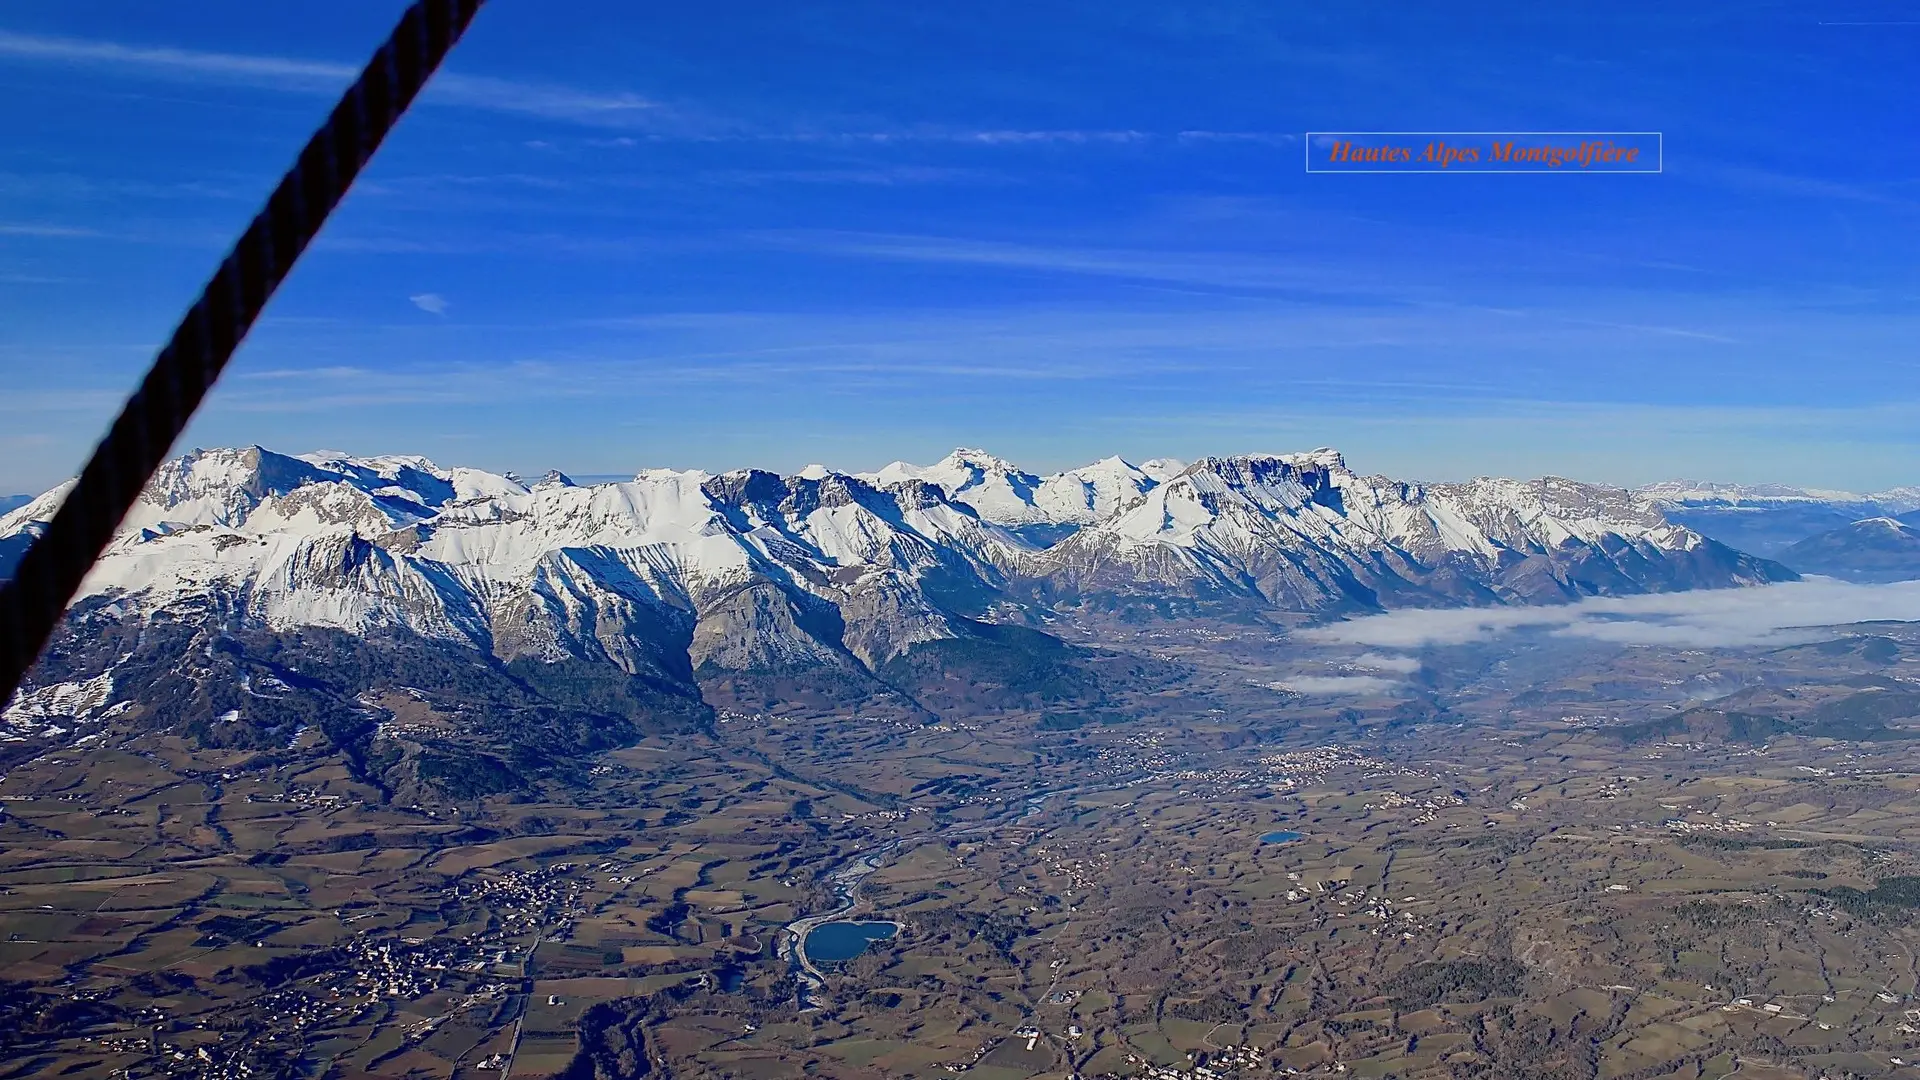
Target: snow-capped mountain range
{"x": 1680, "y": 493}
{"x": 750, "y": 570}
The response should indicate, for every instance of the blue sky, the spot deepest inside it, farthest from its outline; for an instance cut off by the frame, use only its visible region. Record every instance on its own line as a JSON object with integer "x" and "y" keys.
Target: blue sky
{"x": 615, "y": 236}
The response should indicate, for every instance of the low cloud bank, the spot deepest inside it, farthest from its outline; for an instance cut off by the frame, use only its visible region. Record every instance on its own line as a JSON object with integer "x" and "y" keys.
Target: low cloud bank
{"x": 1713, "y": 618}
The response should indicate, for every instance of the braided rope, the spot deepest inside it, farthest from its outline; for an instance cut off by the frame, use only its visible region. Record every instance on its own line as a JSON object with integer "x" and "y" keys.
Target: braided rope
{"x": 50, "y": 571}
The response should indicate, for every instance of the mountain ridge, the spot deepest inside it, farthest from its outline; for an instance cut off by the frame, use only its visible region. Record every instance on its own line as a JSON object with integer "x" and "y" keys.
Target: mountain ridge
{"x": 963, "y": 521}
{"x": 657, "y": 593}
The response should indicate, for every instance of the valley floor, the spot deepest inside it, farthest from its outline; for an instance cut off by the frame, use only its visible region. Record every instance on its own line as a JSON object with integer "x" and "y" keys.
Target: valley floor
{"x": 1532, "y": 858}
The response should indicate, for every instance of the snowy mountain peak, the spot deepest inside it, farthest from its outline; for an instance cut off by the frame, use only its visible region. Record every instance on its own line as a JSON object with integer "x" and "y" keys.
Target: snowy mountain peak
{"x": 1163, "y": 469}
{"x": 964, "y": 466}
{"x": 979, "y": 459}
{"x": 35, "y": 511}
{"x": 469, "y": 484}
{"x": 1324, "y": 457}
{"x": 998, "y": 490}
{"x": 228, "y": 487}
{"x": 1093, "y": 492}
{"x": 217, "y": 486}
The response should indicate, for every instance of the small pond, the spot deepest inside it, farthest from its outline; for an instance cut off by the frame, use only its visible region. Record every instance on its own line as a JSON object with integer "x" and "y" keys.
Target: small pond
{"x": 830, "y": 943}
{"x": 1284, "y": 836}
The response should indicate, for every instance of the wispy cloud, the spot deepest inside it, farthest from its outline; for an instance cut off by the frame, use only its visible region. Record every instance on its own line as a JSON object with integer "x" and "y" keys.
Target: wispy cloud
{"x": 979, "y": 137}
{"x": 405, "y": 245}
{"x": 51, "y": 231}
{"x": 1300, "y": 275}
{"x": 338, "y": 371}
{"x": 163, "y": 234}
{"x": 1220, "y": 270}
{"x": 29, "y": 402}
{"x": 284, "y": 73}
{"x": 543, "y": 100}
{"x": 1668, "y": 331}
{"x": 338, "y": 387}
{"x": 877, "y": 176}
{"x": 1268, "y": 138}
{"x": 646, "y": 117}
{"x": 431, "y": 303}
{"x": 1808, "y": 187}
{"x": 982, "y": 137}
{"x": 439, "y": 183}
{"x": 1030, "y": 137}
{"x": 20, "y": 185}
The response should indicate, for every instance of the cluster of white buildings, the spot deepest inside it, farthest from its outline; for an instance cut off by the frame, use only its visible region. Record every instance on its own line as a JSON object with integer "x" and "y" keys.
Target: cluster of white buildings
{"x": 1222, "y": 1064}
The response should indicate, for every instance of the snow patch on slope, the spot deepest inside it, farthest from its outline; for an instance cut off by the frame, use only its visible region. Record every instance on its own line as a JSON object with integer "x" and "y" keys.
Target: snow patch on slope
{"x": 48, "y": 710}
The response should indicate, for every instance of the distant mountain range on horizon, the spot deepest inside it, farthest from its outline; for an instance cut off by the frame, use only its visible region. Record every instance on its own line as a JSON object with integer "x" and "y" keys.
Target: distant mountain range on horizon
{"x": 1865, "y": 538}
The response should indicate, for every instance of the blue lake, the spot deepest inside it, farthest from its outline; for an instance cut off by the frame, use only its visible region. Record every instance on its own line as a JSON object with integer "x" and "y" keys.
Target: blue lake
{"x": 830, "y": 943}
{"x": 1284, "y": 836}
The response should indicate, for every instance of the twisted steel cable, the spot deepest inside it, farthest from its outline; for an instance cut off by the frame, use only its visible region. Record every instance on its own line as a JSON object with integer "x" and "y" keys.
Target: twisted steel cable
{"x": 51, "y": 570}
